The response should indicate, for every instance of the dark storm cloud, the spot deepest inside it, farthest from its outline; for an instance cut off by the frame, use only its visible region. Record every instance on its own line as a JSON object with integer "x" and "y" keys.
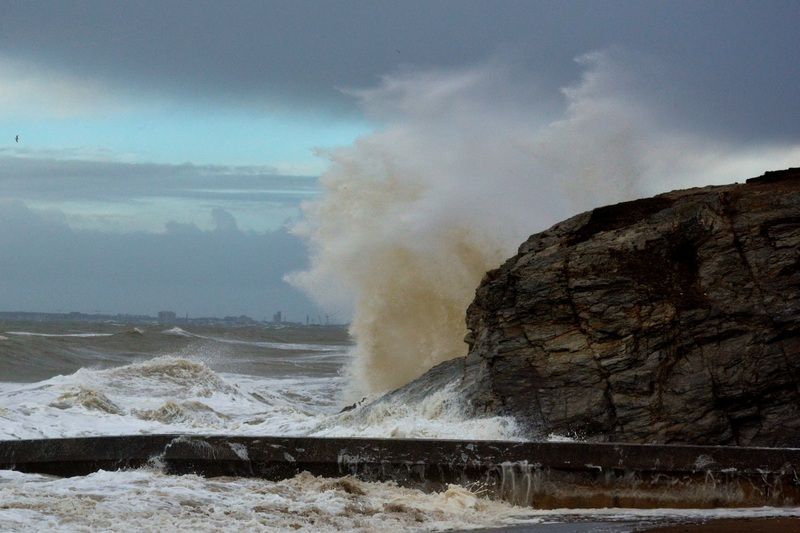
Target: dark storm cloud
{"x": 44, "y": 178}
{"x": 733, "y": 64}
{"x": 48, "y": 266}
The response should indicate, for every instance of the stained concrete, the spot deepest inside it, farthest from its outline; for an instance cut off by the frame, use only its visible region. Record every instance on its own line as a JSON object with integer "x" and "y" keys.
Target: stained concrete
{"x": 539, "y": 474}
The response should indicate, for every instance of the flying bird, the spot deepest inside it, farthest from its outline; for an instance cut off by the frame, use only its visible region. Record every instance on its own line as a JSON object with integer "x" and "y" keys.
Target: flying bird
{"x": 17, "y": 138}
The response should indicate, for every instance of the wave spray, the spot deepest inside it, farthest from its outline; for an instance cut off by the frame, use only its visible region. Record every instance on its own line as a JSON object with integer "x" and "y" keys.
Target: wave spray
{"x": 464, "y": 165}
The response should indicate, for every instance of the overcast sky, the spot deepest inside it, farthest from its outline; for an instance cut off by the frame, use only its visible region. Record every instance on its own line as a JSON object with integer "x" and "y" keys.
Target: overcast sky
{"x": 165, "y": 147}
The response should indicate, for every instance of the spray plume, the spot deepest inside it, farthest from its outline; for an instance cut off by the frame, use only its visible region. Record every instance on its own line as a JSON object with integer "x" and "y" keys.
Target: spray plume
{"x": 465, "y": 165}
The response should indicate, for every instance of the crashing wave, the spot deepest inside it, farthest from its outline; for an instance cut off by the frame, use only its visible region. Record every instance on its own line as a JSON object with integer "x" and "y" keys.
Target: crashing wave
{"x": 436, "y": 417}
{"x": 174, "y": 373}
{"x": 190, "y": 412}
{"x": 88, "y": 399}
{"x": 428, "y": 407}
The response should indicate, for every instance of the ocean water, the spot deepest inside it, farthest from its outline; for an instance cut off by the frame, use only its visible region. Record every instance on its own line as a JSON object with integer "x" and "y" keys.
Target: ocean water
{"x": 58, "y": 380}
{"x": 66, "y": 379}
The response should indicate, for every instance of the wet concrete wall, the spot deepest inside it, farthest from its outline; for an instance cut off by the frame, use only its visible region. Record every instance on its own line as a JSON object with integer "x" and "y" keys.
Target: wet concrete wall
{"x": 540, "y": 474}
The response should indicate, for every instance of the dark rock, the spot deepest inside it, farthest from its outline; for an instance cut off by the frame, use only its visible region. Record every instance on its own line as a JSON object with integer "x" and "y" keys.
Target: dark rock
{"x": 673, "y": 319}
{"x": 352, "y": 405}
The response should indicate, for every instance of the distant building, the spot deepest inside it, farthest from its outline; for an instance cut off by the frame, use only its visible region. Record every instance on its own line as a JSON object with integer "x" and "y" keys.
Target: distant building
{"x": 241, "y": 320}
{"x": 277, "y": 317}
{"x": 166, "y": 316}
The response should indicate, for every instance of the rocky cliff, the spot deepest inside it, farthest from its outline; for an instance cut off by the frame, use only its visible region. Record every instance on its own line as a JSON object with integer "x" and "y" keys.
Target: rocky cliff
{"x": 672, "y": 319}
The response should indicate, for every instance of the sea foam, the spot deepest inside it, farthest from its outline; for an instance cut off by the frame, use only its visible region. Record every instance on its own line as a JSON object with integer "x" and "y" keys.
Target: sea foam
{"x": 178, "y": 395}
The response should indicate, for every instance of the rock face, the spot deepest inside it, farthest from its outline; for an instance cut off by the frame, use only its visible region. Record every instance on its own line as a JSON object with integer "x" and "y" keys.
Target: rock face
{"x": 672, "y": 319}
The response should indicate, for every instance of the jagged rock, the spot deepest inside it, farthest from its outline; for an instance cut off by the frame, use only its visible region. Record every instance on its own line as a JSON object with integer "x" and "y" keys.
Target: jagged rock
{"x": 673, "y": 319}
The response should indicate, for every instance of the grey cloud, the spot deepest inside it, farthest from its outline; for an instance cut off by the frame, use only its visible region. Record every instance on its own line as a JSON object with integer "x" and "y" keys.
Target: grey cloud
{"x": 732, "y": 64}
{"x": 46, "y": 266}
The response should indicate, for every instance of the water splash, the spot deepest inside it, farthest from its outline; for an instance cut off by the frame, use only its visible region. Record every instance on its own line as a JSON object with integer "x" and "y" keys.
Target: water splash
{"x": 464, "y": 166}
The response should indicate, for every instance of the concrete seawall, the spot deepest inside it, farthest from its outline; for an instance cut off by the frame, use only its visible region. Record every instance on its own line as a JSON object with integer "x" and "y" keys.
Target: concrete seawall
{"x": 540, "y": 474}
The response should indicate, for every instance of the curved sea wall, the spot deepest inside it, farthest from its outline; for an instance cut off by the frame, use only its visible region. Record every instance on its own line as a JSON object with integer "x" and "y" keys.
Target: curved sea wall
{"x": 672, "y": 319}
{"x": 539, "y": 474}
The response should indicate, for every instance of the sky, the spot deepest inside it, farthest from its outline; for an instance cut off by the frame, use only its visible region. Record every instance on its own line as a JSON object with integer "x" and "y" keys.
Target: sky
{"x": 165, "y": 150}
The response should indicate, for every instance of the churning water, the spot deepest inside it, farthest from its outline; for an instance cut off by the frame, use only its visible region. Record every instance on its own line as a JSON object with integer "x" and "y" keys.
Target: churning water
{"x": 59, "y": 380}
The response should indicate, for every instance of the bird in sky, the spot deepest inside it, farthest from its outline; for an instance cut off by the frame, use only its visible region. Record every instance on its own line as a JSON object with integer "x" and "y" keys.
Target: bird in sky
{"x": 17, "y": 138}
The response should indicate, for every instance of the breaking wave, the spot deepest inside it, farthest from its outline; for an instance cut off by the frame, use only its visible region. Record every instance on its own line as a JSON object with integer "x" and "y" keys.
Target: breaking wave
{"x": 190, "y": 412}
{"x": 171, "y": 394}
{"x": 88, "y": 399}
{"x": 174, "y": 375}
{"x": 441, "y": 414}
{"x": 177, "y": 331}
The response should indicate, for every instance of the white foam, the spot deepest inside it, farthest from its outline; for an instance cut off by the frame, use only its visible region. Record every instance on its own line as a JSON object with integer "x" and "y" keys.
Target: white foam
{"x": 164, "y": 394}
{"x": 178, "y": 331}
{"x": 114, "y": 501}
{"x": 437, "y": 415}
{"x": 179, "y": 395}
{"x": 554, "y": 437}
{"x": 152, "y": 501}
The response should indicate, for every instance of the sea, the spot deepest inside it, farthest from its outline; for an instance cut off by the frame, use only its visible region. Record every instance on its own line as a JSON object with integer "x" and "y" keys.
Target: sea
{"x": 70, "y": 379}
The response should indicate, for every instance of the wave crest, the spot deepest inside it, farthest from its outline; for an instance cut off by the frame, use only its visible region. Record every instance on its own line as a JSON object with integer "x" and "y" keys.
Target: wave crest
{"x": 193, "y": 413}
{"x": 174, "y": 373}
{"x": 88, "y": 399}
{"x": 178, "y": 332}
